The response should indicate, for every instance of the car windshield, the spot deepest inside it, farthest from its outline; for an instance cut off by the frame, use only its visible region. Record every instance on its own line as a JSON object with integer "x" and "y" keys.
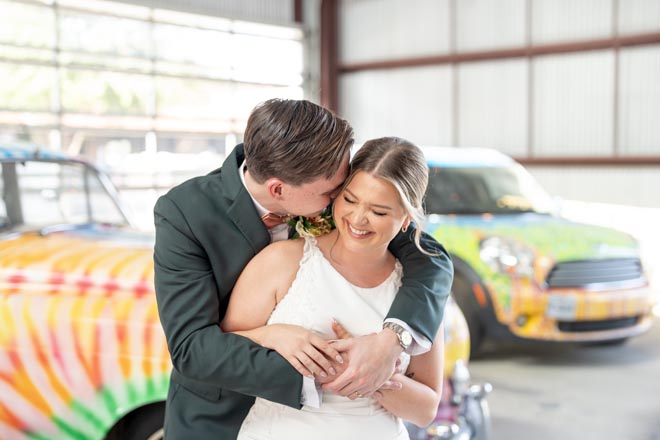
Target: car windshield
{"x": 478, "y": 190}
{"x": 36, "y": 194}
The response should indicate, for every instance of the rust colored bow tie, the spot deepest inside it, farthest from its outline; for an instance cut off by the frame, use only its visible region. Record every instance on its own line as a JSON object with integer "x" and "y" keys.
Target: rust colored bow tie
{"x": 271, "y": 220}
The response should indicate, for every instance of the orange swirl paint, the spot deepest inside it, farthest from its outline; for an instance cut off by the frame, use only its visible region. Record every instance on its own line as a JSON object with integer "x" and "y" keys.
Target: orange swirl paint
{"x": 151, "y": 318}
{"x": 71, "y": 262}
{"x": 40, "y": 353}
{"x": 88, "y": 328}
{"x": 51, "y": 319}
{"x": 23, "y": 385}
{"x": 122, "y": 311}
{"x": 11, "y": 419}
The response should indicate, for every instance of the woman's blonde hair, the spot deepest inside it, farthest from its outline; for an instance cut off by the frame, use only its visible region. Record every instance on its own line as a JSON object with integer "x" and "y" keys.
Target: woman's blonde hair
{"x": 401, "y": 163}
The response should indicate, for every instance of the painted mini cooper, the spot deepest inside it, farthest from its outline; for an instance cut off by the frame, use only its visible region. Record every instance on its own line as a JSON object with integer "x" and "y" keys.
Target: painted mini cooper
{"x": 522, "y": 270}
{"x": 82, "y": 352}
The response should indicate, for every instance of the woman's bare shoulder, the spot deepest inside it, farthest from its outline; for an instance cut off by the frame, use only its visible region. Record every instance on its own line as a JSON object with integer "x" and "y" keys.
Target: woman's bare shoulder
{"x": 281, "y": 255}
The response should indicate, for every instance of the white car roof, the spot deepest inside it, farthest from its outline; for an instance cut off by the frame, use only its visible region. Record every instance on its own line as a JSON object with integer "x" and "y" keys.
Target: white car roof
{"x": 24, "y": 150}
{"x": 466, "y": 157}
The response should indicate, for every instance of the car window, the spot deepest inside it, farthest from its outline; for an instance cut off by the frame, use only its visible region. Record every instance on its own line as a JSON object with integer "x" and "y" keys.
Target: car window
{"x": 61, "y": 193}
{"x": 476, "y": 190}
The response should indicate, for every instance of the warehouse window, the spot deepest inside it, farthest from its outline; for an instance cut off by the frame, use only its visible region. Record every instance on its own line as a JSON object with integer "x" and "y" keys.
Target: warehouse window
{"x": 91, "y": 76}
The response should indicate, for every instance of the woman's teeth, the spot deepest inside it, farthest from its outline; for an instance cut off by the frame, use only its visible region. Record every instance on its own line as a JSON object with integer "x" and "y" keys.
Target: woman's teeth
{"x": 357, "y": 231}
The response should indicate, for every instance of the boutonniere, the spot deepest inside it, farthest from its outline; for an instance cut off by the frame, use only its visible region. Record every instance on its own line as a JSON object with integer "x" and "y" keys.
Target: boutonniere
{"x": 312, "y": 226}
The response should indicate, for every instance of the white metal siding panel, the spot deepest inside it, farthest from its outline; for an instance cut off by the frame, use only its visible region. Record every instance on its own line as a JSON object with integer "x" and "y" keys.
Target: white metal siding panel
{"x": 638, "y": 16}
{"x": 493, "y": 105}
{"x": 389, "y": 29}
{"x": 573, "y": 104}
{"x": 639, "y": 113}
{"x": 411, "y": 103}
{"x": 571, "y": 20}
{"x": 488, "y": 24}
{"x": 635, "y": 186}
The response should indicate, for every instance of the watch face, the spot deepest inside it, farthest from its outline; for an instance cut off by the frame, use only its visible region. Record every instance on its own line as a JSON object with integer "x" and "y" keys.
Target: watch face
{"x": 406, "y": 338}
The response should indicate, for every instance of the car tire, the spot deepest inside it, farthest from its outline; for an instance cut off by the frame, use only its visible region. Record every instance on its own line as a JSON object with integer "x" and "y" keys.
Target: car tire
{"x": 145, "y": 423}
{"x": 462, "y": 293}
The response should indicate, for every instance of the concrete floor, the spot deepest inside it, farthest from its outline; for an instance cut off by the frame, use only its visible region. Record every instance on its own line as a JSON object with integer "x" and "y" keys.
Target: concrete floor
{"x": 572, "y": 392}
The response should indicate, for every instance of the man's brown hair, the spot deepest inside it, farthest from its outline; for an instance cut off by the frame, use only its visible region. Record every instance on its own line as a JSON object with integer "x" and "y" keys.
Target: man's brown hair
{"x": 295, "y": 140}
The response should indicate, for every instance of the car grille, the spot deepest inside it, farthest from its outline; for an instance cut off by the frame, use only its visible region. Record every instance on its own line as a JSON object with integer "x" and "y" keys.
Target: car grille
{"x": 594, "y": 326}
{"x": 590, "y": 272}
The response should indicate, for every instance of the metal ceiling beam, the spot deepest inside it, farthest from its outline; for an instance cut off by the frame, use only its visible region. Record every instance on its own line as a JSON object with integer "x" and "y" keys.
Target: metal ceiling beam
{"x": 580, "y": 161}
{"x": 329, "y": 55}
{"x": 518, "y": 52}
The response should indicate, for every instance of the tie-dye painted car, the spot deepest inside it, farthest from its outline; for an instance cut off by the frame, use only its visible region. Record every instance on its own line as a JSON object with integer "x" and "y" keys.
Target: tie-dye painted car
{"x": 521, "y": 270}
{"x": 81, "y": 346}
{"x": 82, "y": 352}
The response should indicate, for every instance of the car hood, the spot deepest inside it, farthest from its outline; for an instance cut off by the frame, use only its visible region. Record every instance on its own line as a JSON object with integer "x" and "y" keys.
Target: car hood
{"x": 548, "y": 236}
{"x": 90, "y": 259}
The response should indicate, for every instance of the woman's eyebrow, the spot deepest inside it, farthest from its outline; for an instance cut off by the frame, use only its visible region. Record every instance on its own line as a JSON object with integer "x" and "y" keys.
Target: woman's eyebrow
{"x": 371, "y": 204}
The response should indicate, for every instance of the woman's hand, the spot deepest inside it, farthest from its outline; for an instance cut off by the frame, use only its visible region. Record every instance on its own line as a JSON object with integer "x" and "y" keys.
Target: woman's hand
{"x": 307, "y": 352}
{"x": 340, "y": 331}
{"x": 371, "y": 363}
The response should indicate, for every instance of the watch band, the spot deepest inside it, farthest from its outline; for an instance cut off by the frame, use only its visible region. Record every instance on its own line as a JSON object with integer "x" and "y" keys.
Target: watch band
{"x": 404, "y": 336}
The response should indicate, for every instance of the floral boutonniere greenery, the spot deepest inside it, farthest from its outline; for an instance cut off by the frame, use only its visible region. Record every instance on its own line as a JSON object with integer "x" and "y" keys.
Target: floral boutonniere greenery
{"x": 312, "y": 226}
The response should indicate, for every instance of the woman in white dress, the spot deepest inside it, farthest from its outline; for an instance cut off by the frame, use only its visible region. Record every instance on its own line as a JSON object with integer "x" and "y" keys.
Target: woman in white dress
{"x": 349, "y": 276}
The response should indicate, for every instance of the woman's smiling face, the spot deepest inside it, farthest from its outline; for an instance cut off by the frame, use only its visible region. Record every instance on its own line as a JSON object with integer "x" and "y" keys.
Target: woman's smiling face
{"x": 369, "y": 213}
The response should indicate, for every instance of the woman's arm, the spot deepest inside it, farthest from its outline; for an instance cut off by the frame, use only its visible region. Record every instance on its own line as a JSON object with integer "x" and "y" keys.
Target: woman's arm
{"x": 419, "y": 396}
{"x": 262, "y": 284}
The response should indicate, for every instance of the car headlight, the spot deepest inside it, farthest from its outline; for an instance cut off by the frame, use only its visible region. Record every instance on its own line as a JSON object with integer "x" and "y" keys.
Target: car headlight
{"x": 507, "y": 256}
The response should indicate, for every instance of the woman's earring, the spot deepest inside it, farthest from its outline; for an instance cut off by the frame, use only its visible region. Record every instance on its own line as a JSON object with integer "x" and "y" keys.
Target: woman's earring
{"x": 404, "y": 228}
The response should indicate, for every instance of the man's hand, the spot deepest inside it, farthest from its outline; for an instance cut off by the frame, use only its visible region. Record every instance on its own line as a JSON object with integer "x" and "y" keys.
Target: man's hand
{"x": 371, "y": 363}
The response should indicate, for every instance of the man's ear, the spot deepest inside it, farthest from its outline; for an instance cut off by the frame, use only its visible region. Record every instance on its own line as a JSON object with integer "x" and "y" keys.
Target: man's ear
{"x": 274, "y": 186}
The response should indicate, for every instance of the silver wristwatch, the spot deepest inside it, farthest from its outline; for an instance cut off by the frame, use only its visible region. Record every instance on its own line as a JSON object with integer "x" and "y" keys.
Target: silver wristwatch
{"x": 405, "y": 338}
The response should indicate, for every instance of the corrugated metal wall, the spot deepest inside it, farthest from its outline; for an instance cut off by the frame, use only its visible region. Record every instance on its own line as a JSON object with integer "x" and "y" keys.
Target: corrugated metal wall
{"x": 639, "y": 115}
{"x": 383, "y": 29}
{"x": 573, "y": 104}
{"x": 493, "y": 99}
{"x": 618, "y": 185}
{"x": 489, "y": 24}
{"x": 384, "y": 103}
{"x": 591, "y": 103}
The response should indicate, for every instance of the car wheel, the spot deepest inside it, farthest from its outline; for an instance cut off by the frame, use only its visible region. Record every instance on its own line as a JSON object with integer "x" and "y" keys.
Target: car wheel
{"x": 145, "y": 423}
{"x": 463, "y": 296}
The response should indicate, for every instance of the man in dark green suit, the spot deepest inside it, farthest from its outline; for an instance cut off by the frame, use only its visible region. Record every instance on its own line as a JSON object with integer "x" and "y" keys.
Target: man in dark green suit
{"x": 293, "y": 161}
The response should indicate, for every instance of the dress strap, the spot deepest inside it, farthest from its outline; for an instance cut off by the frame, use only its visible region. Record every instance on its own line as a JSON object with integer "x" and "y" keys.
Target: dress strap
{"x": 310, "y": 247}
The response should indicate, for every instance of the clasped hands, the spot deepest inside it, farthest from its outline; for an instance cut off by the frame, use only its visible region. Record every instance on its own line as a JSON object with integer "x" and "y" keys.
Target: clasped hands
{"x": 350, "y": 366}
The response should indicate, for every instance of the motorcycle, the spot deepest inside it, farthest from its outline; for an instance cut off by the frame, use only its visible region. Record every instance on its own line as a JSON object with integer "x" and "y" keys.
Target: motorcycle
{"x": 463, "y": 413}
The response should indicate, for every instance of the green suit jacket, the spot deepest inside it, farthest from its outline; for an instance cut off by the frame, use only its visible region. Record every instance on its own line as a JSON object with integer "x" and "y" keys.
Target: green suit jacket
{"x": 207, "y": 229}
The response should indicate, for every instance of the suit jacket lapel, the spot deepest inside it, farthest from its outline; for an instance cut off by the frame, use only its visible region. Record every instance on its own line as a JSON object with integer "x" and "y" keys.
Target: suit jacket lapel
{"x": 241, "y": 208}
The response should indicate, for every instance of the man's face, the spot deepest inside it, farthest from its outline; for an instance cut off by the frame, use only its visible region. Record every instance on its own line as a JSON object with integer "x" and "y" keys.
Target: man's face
{"x": 311, "y": 198}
